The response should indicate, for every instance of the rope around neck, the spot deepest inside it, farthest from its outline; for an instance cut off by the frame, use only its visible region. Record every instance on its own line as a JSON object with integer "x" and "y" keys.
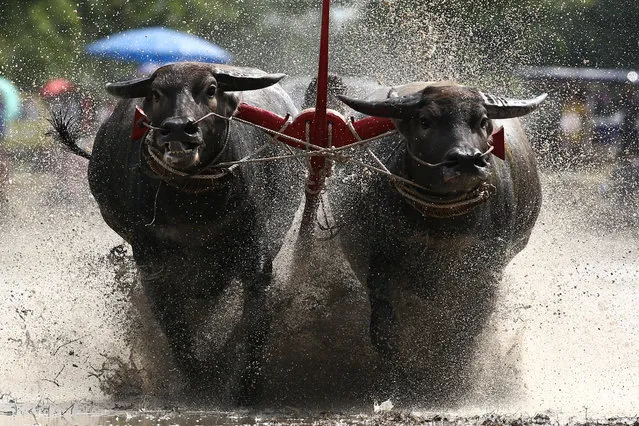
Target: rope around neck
{"x": 444, "y": 209}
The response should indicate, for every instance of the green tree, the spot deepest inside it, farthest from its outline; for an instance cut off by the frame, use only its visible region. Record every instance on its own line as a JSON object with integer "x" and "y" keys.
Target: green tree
{"x": 394, "y": 40}
{"x": 42, "y": 39}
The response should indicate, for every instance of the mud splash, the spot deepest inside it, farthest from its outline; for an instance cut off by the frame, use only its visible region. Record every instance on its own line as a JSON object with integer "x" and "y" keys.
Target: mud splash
{"x": 77, "y": 335}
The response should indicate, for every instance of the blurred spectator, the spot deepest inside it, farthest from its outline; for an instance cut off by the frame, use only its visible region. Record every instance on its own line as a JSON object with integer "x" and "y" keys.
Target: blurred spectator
{"x": 30, "y": 108}
{"x": 576, "y": 125}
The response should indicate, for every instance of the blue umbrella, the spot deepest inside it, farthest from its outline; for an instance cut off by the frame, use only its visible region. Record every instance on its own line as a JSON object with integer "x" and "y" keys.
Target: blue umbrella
{"x": 157, "y": 44}
{"x": 10, "y": 98}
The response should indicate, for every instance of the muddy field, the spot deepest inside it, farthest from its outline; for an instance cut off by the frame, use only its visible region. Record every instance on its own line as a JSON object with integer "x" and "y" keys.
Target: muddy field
{"x": 77, "y": 338}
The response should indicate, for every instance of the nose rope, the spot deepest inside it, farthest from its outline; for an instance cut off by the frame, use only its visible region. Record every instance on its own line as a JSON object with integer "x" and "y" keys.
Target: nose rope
{"x": 213, "y": 176}
{"x": 488, "y": 151}
{"x": 149, "y": 126}
{"x": 425, "y": 163}
{"x": 203, "y": 117}
{"x": 443, "y": 163}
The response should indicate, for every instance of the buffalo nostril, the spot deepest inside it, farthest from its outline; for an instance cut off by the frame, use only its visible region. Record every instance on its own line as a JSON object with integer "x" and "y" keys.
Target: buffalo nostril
{"x": 464, "y": 160}
{"x": 190, "y": 128}
{"x": 480, "y": 160}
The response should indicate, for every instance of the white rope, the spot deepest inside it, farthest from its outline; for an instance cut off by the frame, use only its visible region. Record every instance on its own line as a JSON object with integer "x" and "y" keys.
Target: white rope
{"x": 247, "y": 159}
{"x": 155, "y": 206}
{"x": 203, "y": 117}
{"x": 232, "y": 164}
{"x": 377, "y": 160}
{"x": 426, "y": 163}
{"x": 165, "y": 166}
{"x": 389, "y": 174}
{"x": 272, "y": 132}
{"x": 331, "y": 153}
{"x": 443, "y": 163}
{"x": 349, "y": 124}
{"x": 365, "y": 141}
{"x": 360, "y": 141}
{"x": 149, "y": 126}
{"x": 488, "y": 151}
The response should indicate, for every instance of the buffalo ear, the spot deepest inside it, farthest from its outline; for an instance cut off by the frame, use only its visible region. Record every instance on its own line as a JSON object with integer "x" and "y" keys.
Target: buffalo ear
{"x": 238, "y": 79}
{"x": 136, "y": 88}
{"x": 398, "y": 107}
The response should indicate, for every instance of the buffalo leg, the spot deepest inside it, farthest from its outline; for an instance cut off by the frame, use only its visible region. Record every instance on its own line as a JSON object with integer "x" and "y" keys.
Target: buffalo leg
{"x": 257, "y": 325}
{"x": 382, "y": 321}
{"x": 169, "y": 311}
{"x": 169, "y": 303}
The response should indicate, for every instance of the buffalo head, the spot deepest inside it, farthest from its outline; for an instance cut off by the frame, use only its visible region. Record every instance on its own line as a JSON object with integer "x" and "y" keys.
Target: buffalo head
{"x": 447, "y": 130}
{"x": 178, "y": 99}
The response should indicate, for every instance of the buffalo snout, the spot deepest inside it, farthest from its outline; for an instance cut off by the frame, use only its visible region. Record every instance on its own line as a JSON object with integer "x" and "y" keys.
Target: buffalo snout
{"x": 179, "y": 129}
{"x": 467, "y": 161}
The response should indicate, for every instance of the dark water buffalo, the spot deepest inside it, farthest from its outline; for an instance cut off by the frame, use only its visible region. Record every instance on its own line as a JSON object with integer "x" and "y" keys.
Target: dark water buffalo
{"x": 431, "y": 256}
{"x": 203, "y": 241}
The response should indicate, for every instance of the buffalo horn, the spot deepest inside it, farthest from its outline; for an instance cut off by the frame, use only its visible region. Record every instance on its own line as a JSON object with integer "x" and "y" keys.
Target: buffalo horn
{"x": 498, "y": 108}
{"x": 394, "y": 107}
{"x": 240, "y": 79}
{"x": 136, "y": 88}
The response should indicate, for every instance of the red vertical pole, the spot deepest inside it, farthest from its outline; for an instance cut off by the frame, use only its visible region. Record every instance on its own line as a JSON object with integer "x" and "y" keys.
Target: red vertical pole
{"x": 319, "y": 128}
{"x": 320, "y": 131}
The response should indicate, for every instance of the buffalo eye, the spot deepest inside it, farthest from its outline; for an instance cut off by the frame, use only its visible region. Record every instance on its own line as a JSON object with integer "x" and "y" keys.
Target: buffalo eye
{"x": 155, "y": 95}
{"x": 210, "y": 91}
{"x": 425, "y": 123}
{"x": 484, "y": 123}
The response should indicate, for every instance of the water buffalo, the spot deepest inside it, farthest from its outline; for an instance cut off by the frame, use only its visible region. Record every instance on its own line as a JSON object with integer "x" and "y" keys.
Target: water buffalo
{"x": 431, "y": 255}
{"x": 203, "y": 238}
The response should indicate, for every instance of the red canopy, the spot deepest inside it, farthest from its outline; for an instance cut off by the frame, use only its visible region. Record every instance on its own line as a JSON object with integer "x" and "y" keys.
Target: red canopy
{"x": 56, "y": 87}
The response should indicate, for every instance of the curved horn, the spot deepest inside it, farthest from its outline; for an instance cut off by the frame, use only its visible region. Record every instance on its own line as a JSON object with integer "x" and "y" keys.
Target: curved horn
{"x": 239, "y": 79}
{"x": 497, "y": 107}
{"x": 395, "y": 107}
{"x": 136, "y": 88}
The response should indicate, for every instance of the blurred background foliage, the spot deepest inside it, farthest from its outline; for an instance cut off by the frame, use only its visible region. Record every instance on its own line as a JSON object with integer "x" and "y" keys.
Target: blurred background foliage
{"x": 44, "y": 39}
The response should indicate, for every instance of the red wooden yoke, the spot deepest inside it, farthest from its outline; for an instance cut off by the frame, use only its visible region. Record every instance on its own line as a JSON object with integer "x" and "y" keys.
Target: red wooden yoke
{"x": 342, "y": 133}
{"x": 318, "y": 120}
{"x": 316, "y": 133}
{"x": 312, "y": 126}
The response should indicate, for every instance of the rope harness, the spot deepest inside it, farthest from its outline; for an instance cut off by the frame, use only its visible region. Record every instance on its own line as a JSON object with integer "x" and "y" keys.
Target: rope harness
{"x": 217, "y": 174}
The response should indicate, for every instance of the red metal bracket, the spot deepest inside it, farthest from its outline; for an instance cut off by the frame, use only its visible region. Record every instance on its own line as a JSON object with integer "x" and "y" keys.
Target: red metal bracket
{"x": 341, "y": 133}
{"x": 499, "y": 143}
{"x": 139, "y": 129}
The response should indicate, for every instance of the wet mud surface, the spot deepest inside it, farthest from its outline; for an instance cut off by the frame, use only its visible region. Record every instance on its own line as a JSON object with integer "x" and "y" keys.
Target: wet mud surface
{"x": 76, "y": 336}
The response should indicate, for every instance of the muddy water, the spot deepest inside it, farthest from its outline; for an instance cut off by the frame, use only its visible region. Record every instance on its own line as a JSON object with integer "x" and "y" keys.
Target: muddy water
{"x": 564, "y": 339}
